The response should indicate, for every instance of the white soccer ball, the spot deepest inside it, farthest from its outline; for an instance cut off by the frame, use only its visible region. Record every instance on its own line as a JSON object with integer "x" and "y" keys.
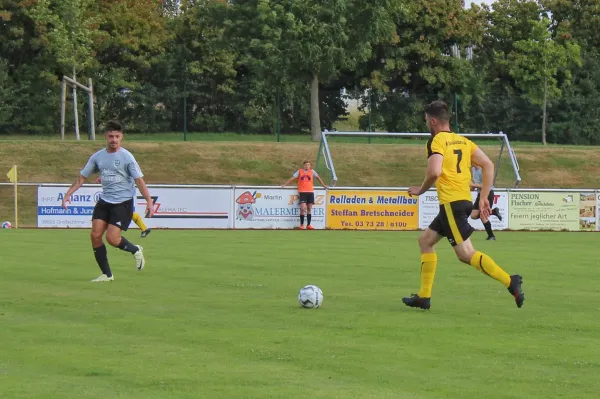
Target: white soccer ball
{"x": 310, "y": 296}
{"x": 6, "y": 225}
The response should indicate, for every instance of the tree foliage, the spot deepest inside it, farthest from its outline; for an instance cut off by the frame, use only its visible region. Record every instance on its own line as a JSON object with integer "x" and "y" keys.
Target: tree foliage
{"x": 259, "y": 66}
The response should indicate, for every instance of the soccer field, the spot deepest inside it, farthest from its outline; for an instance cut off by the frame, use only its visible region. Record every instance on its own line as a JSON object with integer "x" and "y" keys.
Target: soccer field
{"x": 215, "y": 315}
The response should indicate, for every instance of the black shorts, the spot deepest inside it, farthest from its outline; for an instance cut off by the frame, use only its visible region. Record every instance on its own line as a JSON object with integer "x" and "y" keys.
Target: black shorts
{"x": 490, "y": 199}
{"x": 453, "y": 222}
{"x": 307, "y": 198}
{"x": 119, "y": 215}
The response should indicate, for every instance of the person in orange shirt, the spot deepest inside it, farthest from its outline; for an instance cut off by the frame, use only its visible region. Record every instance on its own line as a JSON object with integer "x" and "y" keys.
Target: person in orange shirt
{"x": 306, "y": 192}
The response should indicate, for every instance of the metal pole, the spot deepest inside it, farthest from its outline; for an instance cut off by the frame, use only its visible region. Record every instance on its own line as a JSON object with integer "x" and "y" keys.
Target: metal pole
{"x": 91, "y": 105}
{"x": 370, "y": 111}
{"x": 278, "y": 117}
{"x": 75, "y": 107}
{"x": 63, "y": 104}
{"x": 319, "y": 152}
{"x": 498, "y": 162}
{"x": 184, "y": 110}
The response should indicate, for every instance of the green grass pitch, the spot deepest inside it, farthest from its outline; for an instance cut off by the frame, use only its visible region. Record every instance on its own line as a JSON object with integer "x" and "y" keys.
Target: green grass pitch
{"x": 215, "y": 315}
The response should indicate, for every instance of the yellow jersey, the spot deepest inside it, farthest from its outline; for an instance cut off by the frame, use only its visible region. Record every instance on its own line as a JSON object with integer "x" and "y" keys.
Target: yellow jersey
{"x": 454, "y": 182}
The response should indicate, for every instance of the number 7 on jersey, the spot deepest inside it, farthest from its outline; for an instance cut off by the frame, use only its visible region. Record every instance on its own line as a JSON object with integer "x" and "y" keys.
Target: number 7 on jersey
{"x": 459, "y": 158}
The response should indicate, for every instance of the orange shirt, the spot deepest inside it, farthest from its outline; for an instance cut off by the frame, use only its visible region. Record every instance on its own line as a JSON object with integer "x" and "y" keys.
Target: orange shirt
{"x": 305, "y": 181}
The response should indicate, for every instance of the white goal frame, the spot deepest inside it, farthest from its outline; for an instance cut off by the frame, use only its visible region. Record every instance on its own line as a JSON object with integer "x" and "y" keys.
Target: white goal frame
{"x": 502, "y": 137}
{"x": 63, "y": 105}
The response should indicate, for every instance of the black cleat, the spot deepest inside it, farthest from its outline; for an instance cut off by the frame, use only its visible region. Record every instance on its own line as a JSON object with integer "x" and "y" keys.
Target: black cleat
{"x": 515, "y": 289}
{"x": 491, "y": 238}
{"x": 415, "y": 301}
{"x": 146, "y": 232}
{"x": 496, "y": 212}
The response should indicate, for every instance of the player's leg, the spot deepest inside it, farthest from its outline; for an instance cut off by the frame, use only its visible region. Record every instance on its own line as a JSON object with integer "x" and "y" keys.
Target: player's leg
{"x": 482, "y": 262}
{"x": 475, "y": 211}
{"x": 120, "y": 218}
{"x": 496, "y": 210}
{"x": 461, "y": 230}
{"x": 303, "y": 207}
{"x": 310, "y": 201}
{"x": 427, "y": 241}
{"x": 99, "y": 226}
{"x": 488, "y": 228}
{"x": 139, "y": 221}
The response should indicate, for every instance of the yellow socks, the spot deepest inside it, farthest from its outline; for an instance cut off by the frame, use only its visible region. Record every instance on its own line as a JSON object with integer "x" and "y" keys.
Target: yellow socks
{"x": 428, "y": 265}
{"x": 487, "y": 266}
{"x": 137, "y": 219}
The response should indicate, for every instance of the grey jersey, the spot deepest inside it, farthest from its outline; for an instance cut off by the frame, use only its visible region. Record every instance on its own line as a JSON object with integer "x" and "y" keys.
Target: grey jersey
{"x": 477, "y": 176}
{"x": 118, "y": 171}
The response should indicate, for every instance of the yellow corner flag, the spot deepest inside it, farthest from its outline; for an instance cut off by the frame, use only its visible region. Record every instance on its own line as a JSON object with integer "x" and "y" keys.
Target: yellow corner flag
{"x": 12, "y": 174}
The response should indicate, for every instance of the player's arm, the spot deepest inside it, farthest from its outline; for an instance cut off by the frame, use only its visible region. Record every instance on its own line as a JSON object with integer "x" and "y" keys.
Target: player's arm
{"x": 433, "y": 171}
{"x": 141, "y": 185}
{"x": 487, "y": 166}
{"x": 136, "y": 172}
{"x": 74, "y": 187}
{"x": 294, "y": 176}
{"x": 321, "y": 181}
{"x": 89, "y": 168}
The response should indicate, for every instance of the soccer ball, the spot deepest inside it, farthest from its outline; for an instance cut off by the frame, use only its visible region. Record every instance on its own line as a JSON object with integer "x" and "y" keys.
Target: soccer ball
{"x": 6, "y": 225}
{"x": 310, "y": 296}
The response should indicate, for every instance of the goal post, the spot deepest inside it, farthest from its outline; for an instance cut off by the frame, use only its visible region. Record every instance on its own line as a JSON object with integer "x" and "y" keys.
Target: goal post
{"x": 63, "y": 105}
{"x": 324, "y": 152}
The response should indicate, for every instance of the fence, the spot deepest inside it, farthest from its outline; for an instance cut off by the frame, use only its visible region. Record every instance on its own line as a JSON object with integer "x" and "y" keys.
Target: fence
{"x": 343, "y": 208}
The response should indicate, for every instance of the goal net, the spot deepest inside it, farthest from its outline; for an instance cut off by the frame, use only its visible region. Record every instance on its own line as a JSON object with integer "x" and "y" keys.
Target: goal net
{"x": 374, "y": 158}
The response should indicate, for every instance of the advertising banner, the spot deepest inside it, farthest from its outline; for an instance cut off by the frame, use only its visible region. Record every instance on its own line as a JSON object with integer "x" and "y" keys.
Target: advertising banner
{"x": 372, "y": 210}
{"x": 429, "y": 208}
{"x": 544, "y": 211}
{"x": 274, "y": 208}
{"x": 500, "y": 202}
{"x": 79, "y": 213}
{"x": 186, "y": 208}
{"x": 587, "y": 211}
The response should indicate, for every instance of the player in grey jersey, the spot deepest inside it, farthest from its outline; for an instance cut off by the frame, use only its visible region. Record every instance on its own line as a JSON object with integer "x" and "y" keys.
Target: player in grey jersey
{"x": 119, "y": 171}
{"x": 476, "y": 182}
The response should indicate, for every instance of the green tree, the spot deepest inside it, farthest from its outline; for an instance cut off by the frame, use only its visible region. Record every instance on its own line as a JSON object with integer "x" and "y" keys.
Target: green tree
{"x": 578, "y": 21}
{"x": 69, "y": 29}
{"x": 30, "y": 84}
{"x": 7, "y": 88}
{"x": 310, "y": 41}
{"x": 135, "y": 36}
{"x": 426, "y": 60}
{"x": 536, "y": 62}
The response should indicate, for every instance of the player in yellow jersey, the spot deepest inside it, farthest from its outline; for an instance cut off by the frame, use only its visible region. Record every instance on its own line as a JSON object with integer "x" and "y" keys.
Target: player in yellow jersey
{"x": 450, "y": 157}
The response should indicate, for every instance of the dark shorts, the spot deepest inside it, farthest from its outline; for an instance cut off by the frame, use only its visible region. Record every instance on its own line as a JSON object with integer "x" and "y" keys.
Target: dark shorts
{"x": 119, "y": 215}
{"x": 490, "y": 199}
{"x": 453, "y": 222}
{"x": 307, "y": 198}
